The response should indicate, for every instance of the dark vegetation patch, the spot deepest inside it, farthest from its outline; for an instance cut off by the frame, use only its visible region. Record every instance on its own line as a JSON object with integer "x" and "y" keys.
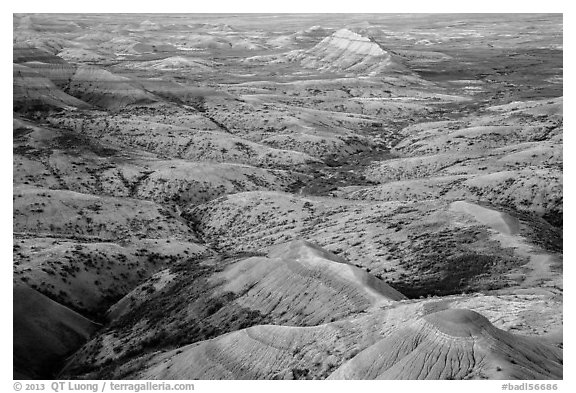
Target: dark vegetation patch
{"x": 78, "y": 143}
{"x": 555, "y": 218}
{"x": 29, "y": 151}
{"x": 447, "y": 263}
{"x": 339, "y": 172}
{"x": 447, "y": 276}
{"x": 18, "y": 133}
{"x": 189, "y": 309}
{"x": 540, "y": 231}
{"x": 507, "y": 74}
{"x": 33, "y": 108}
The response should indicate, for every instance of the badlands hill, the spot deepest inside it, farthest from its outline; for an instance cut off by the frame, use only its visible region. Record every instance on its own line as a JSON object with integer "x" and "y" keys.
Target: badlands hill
{"x": 199, "y": 140}
{"x": 106, "y": 90}
{"x": 447, "y": 344}
{"x": 512, "y": 156}
{"x": 298, "y": 284}
{"x": 33, "y": 91}
{"x": 345, "y": 52}
{"x": 391, "y": 239}
{"x": 47, "y": 332}
{"x": 287, "y": 197}
{"x": 87, "y": 84}
{"x": 468, "y": 344}
{"x": 349, "y": 52}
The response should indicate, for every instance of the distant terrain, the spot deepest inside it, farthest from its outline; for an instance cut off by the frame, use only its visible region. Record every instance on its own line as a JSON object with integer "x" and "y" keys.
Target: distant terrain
{"x": 310, "y": 196}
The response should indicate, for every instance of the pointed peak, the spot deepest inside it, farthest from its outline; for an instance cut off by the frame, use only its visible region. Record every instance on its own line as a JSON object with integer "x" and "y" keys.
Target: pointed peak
{"x": 350, "y": 35}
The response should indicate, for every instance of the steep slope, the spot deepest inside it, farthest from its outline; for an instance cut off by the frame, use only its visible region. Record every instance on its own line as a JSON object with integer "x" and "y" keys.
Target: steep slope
{"x": 89, "y": 277}
{"x": 421, "y": 248}
{"x": 22, "y": 53}
{"x": 305, "y": 282}
{"x": 105, "y": 89}
{"x": 399, "y": 342}
{"x": 44, "y": 333}
{"x": 453, "y": 344}
{"x": 166, "y": 169}
{"x": 297, "y": 284}
{"x": 348, "y": 52}
{"x": 59, "y": 74}
{"x": 34, "y": 92}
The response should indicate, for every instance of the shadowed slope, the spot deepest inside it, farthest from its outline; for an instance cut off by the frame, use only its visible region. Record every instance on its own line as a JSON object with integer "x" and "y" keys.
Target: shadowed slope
{"x": 32, "y": 92}
{"x": 44, "y": 332}
{"x": 107, "y": 90}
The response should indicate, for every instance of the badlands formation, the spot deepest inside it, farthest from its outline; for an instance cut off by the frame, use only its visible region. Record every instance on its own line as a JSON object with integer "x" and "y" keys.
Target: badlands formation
{"x": 298, "y": 197}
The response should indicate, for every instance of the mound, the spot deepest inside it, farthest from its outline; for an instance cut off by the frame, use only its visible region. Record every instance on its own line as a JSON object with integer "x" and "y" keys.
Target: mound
{"x": 175, "y": 63}
{"x": 196, "y": 183}
{"x": 45, "y": 332}
{"x": 302, "y": 284}
{"x": 393, "y": 239}
{"x": 89, "y": 277}
{"x": 49, "y": 44}
{"x": 186, "y": 143}
{"x": 499, "y": 221}
{"x": 64, "y": 213}
{"x": 296, "y": 284}
{"x": 531, "y": 121}
{"x": 33, "y": 92}
{"x": 453, "y": 344}
{"x": 49, "y": 158}
{"x": 552, "y": 107}
{"x": 60, "y": 74}
{"x": 346, "y": 51}
{"x": 544, "y": 154}
{"x": 511, "y": 157}
{"x": 26, "y": 53}
{"x": 80, "y": 55}
{"x": 259, "y": 352}
{"x": 398, "y": 343}
{"x": 319, "y": 145}
{"x": 532, "y": 189}
{"x": 104, "y": 89}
